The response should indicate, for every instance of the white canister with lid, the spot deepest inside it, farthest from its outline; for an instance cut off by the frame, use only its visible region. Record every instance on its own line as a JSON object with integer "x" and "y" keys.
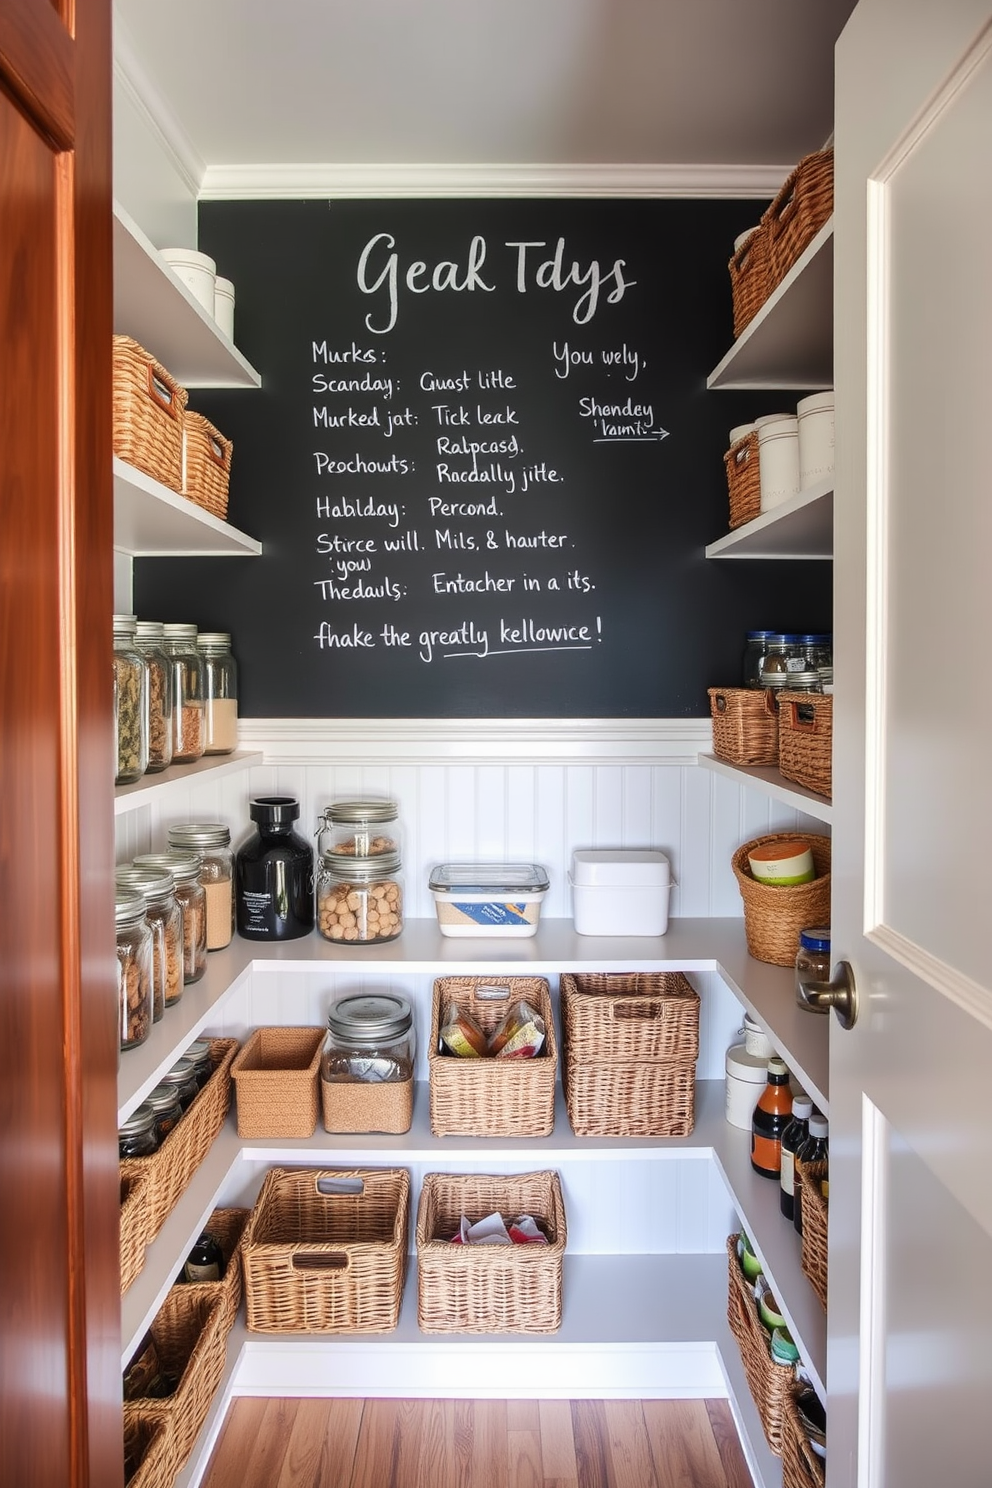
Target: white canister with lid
{"x": 224, "y": 306}
{"x": 815, "y": 416}
{"x": 747, "y": 1076}
{"x": 739, "y": 432}
{"x": 196, "y": 270}
{"x": 778, "y": 459}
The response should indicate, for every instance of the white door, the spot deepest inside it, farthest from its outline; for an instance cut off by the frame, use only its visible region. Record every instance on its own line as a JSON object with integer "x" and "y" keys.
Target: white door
{"x": 910, "y": 1329}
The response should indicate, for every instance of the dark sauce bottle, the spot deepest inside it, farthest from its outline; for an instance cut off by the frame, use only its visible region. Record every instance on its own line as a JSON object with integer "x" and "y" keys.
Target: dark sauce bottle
{"x": 273, "y": 874}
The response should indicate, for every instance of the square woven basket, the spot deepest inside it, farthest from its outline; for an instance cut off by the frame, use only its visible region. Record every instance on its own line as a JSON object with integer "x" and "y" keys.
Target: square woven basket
{"x": 149, "y": 1458}
{"x": 749, "y": 277}
{"x": 745, "y": 725}
{"x": 492, "y": 1097}
{"x": 148, "y": 410}
{"x": 801, "y": 1467}
{"x": 768, "y": 1381}
{"x": 206, "y": 464}
{"x": 775, "y": 914}
{"x": 134, "y": 1226}
{"x": 227, "y": 1227}
{"x": 489, "y": 1288}
{"x": 325, "y": 1250}
{"x": 813, "y": 1254}
{"x": 743, "y": 479}
{"x": 276, "y": 1079}
{"x": 802, "y": 205}
{"x": 805, "y": 739}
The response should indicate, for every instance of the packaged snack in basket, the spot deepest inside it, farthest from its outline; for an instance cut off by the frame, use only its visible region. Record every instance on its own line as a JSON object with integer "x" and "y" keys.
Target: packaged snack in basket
{"x": 520, "y": 1035}
{"x": 493, "y": 1230}
{"x": 460, "y": 1033}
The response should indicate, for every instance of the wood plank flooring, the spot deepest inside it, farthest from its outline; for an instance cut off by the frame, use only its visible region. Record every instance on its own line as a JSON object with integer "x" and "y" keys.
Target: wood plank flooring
{"x": 477, "y": 1444}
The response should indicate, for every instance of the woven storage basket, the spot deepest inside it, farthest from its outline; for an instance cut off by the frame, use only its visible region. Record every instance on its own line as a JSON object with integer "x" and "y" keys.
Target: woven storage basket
{"x": 801, "y": 1467}
{"x": 492, "y": 1097}
{"x": 148, "y": 1450}
{"x": 168, "y": 1171}
{"x": 805, "y": 739}
{"x": 276, "y": 1077}
{"x": 148, "y": 409}
{"x": 745, "y": 725}
{"x": 803, "y": 204}
{"x": 206, "y": 464}
{"x": 191, "y": 1342}
{"x": 774, "y": 914}
{"x": 227, "y": 1227}
{"x": 814, "y": 1240}
{"x": 489, "y": 1288}
{"x": 327, "y": 1261}
{"x": 749, "y": 277}
{"x": 133, "y": 1226}
{"x": 743, "y": 479}
{"x": 768, "y": 1381}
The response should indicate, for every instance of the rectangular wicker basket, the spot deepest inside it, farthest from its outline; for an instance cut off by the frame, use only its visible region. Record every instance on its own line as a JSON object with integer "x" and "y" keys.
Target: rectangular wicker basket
{"x": 630, "y": 1043}
{"x": 743, "y": 479}
{"x": 134, "y": 1226}
{"x": 325, "y": 1250}
{"x": 805, "y": 739}
{"x": 745, "y": 725}
{"x": 489, "y": 1288}
{"x": 802, "y": 205}
{"x": 813, "y": 1254}
{"x": 749, "y": 277}
{"x": 801, "y": 1467}
{"x": 768, "y": 1381}
{"x": 148, "y": 409}
{"x": 149, "y": 1459}
{"x": 207, "y": 458}
{"x": 227, "y": 1227}
{"x": 276, "y": 1079}
{"x": 492, "y": 1097}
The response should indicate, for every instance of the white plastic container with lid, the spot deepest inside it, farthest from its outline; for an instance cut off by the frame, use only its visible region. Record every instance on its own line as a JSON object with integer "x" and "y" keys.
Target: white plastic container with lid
{"x": 224, "y": 306}
{"x": 196, "y": 270}
{"x": 498, "y": 899}
{"x": 815, "y": 416}
{"x": 778, "y": 459}
{"x": 747, "y": 1075}
{"x": 756, "y": 1040}
{"x": 620, "y": 893}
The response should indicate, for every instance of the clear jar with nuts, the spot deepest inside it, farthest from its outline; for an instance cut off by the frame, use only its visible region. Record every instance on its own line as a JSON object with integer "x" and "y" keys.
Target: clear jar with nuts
{"x": 185, "y": 870}
{"x": 212, "y": 842}
{"x": 165, "y": 920}
{"x": 148, "y": 640}
{"x": 188, "y": 734}
{"x": 359, "y": 900}
{"x": 359, "y": 829}
{"x": 134, "y": 969}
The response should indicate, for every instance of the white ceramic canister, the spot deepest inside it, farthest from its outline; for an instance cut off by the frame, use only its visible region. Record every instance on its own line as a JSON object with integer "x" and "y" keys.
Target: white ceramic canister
{"x": 224, "y": 306}
{"x": 778, "y": 459}
{"x": 196, "y": 270}
{"x": 815, "y": 416}
{"x": 756, "y": 1040}
{"x": 740, "y": 431}
{"x": 747, "y": 1076}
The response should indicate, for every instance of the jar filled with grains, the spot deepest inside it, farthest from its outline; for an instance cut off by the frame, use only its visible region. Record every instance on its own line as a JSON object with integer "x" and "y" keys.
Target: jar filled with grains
{"x": 134, "y": 969}
{"x": 212, "y": 842}
{"x": 179, "y": 642}
{"x": 220, "y": 692}
{"x": 165, "y": 920}
{"x": 148, "y": 639}
{"x": 360, "y": 900}
{"x": 130, "y": 703}
{"x": 185, "y": 870}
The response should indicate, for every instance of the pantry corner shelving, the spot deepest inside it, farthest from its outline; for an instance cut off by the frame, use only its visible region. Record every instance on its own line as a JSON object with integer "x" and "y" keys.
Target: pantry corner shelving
{"x": 153, "y": 521}
{"x": 177, "y": 777}
{"x": 801, "y": 527}
{"x": 770, "y": 782}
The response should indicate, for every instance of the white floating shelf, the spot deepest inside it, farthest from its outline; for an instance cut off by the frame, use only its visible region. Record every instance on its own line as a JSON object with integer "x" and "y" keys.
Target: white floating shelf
{"x": 768, "y": 780}
{"x": 801, "y": 527}
{"x": 152, "y": 521}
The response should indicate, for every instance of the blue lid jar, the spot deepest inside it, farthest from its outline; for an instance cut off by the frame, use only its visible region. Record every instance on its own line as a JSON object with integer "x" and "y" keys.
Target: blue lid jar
{"x": 817, "y": 938}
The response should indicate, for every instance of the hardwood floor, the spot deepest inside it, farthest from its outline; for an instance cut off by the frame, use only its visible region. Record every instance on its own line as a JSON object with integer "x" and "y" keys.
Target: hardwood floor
{"x": 477, "y": 1444}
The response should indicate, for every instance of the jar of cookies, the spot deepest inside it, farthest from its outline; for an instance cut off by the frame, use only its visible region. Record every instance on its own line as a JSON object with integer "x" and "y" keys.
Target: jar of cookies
{"x": 134, "y": 969}
{"x": 359, "y": 829}
{"x": 359, "y": 899}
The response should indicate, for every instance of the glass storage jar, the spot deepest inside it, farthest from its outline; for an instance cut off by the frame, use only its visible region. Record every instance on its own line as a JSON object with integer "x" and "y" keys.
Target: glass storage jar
{"x": 136, "y": 1137}
{"x": 148, "y": 638}
{"x": 755, "y": 644}
{"x": 359, "y": 829}
{"x": 185, "y": 870}
{"x": 130, "y": 704}
{"x": 179, "y": 642}
{"x": 220, "y": 692}
{"x": 165, "y": 920}
{"x": 813, "y": 960}
{"x": 182, "y": 1078}
{"x": 273, "y": 874}
{"x": 360, "y": 900}
{"x": 164, "y": 1101}
{"x": 134, "y": 969}
{"x": 198, "y": 1053}
{"x": 820, "y": 655}
{"x": 212, "y": 842}
{"x": 366, "y": 1066}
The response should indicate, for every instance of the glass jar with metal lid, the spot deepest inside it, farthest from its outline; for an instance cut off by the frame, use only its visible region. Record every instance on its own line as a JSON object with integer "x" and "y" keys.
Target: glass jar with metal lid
{"x": 136, "y": 1137}
{"x": 367, "y": 1064}
{"x": 220, "y": 692}
{"x": 755, "y": 645}
{"x": 134, "y": 969}
{"x": 165, "y": 920}
{"x": 803, "y": 682}
{"x": 182, "y": 1078}
{"x": 360, "y": 900}
{"x": 212, "y": 841}
{"x": 198, "y": 1053}
{"x": 819, "y": 651}
{"x": 164, "y": 1101}
{"x": 359, "y": 829}
{"x": 185, "y": 870}
{"x": 148, "y": 638}
{"x": 130, "y": 704}
{"x": 179, "y": 643}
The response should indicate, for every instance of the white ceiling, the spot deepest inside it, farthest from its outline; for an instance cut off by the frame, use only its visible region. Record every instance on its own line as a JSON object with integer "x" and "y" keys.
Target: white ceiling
{"x": 490, "y": 82}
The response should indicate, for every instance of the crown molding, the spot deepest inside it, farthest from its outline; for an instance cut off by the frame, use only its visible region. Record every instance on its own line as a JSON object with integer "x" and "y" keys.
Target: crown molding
{"x": 259, "y": 182}
{"x": 154, "y": 108}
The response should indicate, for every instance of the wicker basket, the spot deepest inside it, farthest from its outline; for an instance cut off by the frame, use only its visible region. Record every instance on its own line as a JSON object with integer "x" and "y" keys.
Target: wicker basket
{"x": 803, "y": 204}
{"x": 276, "y": 1077}
{"x": 227, "y": 1227}
{"x": 489, "y": 1288}
{"x": 168, "y": 1171}
{"x": 191, "y": 1342}
{"x": 492, "y": 1097}
{"x": 133, "y": 1226}
{"x": 149, "y": 1457}
{"x": 805, "y": 739}
{"x": 814, "y": 1241}
{"x": 206, "y": 464}
{"x": 148, "y": 409}
{"x": 769, "y": 1382}
{"x": 749, "y": 277}
{"x": 774, "y": 914}
{"x": 743, "y": 479}
{"x": 745, "y": 725}
{"x": 801, "y": 1467}
{"x": 328, "y": 1259}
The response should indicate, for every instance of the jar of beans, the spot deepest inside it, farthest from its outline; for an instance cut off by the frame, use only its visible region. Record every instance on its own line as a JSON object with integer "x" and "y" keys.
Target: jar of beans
{"x": 134, "y": 969}
{"x": 359, "y": 900}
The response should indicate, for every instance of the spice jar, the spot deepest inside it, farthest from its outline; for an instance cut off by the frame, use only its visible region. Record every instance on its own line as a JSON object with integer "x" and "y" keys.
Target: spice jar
{"x": 220, "y": 692}
{"x": 134, "y": 969}
{"x": 185, "y": 870}
{"x": 136, "y": 1138}
{"x": 359, "y": 829}
{"x": 179, "y": 643}
{"x": 130, "y": 704}
{"x": 148, "y": 640}
{"x": 273, "y": 874}
{"x": 813, "y": 961}
{"x": 366, "y": 1066}
{"x": 182, "y": 1078}
{"x": 212, "y": 842}
{"x": 164, "y": 1101}
{"x": 165, "y": 920}
{"x": 360, "y": 900}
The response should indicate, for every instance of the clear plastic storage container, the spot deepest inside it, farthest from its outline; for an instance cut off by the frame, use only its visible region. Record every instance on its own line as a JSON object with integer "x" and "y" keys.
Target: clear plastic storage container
{"x": 502, "y": 899}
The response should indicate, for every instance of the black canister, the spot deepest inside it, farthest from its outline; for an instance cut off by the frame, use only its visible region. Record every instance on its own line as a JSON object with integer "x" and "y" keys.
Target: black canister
{"x": 273, "y": 874}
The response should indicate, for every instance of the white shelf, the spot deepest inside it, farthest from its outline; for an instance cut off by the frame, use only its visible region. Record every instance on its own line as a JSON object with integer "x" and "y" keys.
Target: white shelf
{"x": 768, "y": 780}
{"x": 801, "y": 527}
{"x": 789, "y": 343}
{"x": 155, "y": 308}
{"x": 177, "y": 777}
{"x": 152, "y": 521}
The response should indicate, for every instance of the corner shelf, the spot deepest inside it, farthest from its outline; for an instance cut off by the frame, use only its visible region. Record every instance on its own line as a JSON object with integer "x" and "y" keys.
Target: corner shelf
{"x": 149, "y": 787}
{"x": 768, "y": 780}
{"x": 152, "y": 521}
{"x": 801, "y": 527}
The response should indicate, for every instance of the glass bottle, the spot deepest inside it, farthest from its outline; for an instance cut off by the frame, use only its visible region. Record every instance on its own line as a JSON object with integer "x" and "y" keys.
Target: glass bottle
{"x": 179, "y": 643}
{"x": 793, "y": 1137}
{"x": 148, "y": 639}
{"x": 771, "y": 1116}
{"x": 360, "y": 900}
{"x": 130, "y": 704}
{"x": 205, "y": 1261}
{"x": 185, "y": 870}
{"x": 165, "y": 920}
{"x": 134, "y": 969}
{"x": 273, "y": 874}
{"x": 136, "y": 1137}
{"x": 220, "y": 692}
{"x": 212, "y": 841}
{"x": 813, "y": 1150}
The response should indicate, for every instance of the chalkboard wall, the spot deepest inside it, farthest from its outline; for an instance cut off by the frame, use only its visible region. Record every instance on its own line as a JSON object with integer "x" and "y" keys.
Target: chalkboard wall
{"x": 483, "y": 463}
